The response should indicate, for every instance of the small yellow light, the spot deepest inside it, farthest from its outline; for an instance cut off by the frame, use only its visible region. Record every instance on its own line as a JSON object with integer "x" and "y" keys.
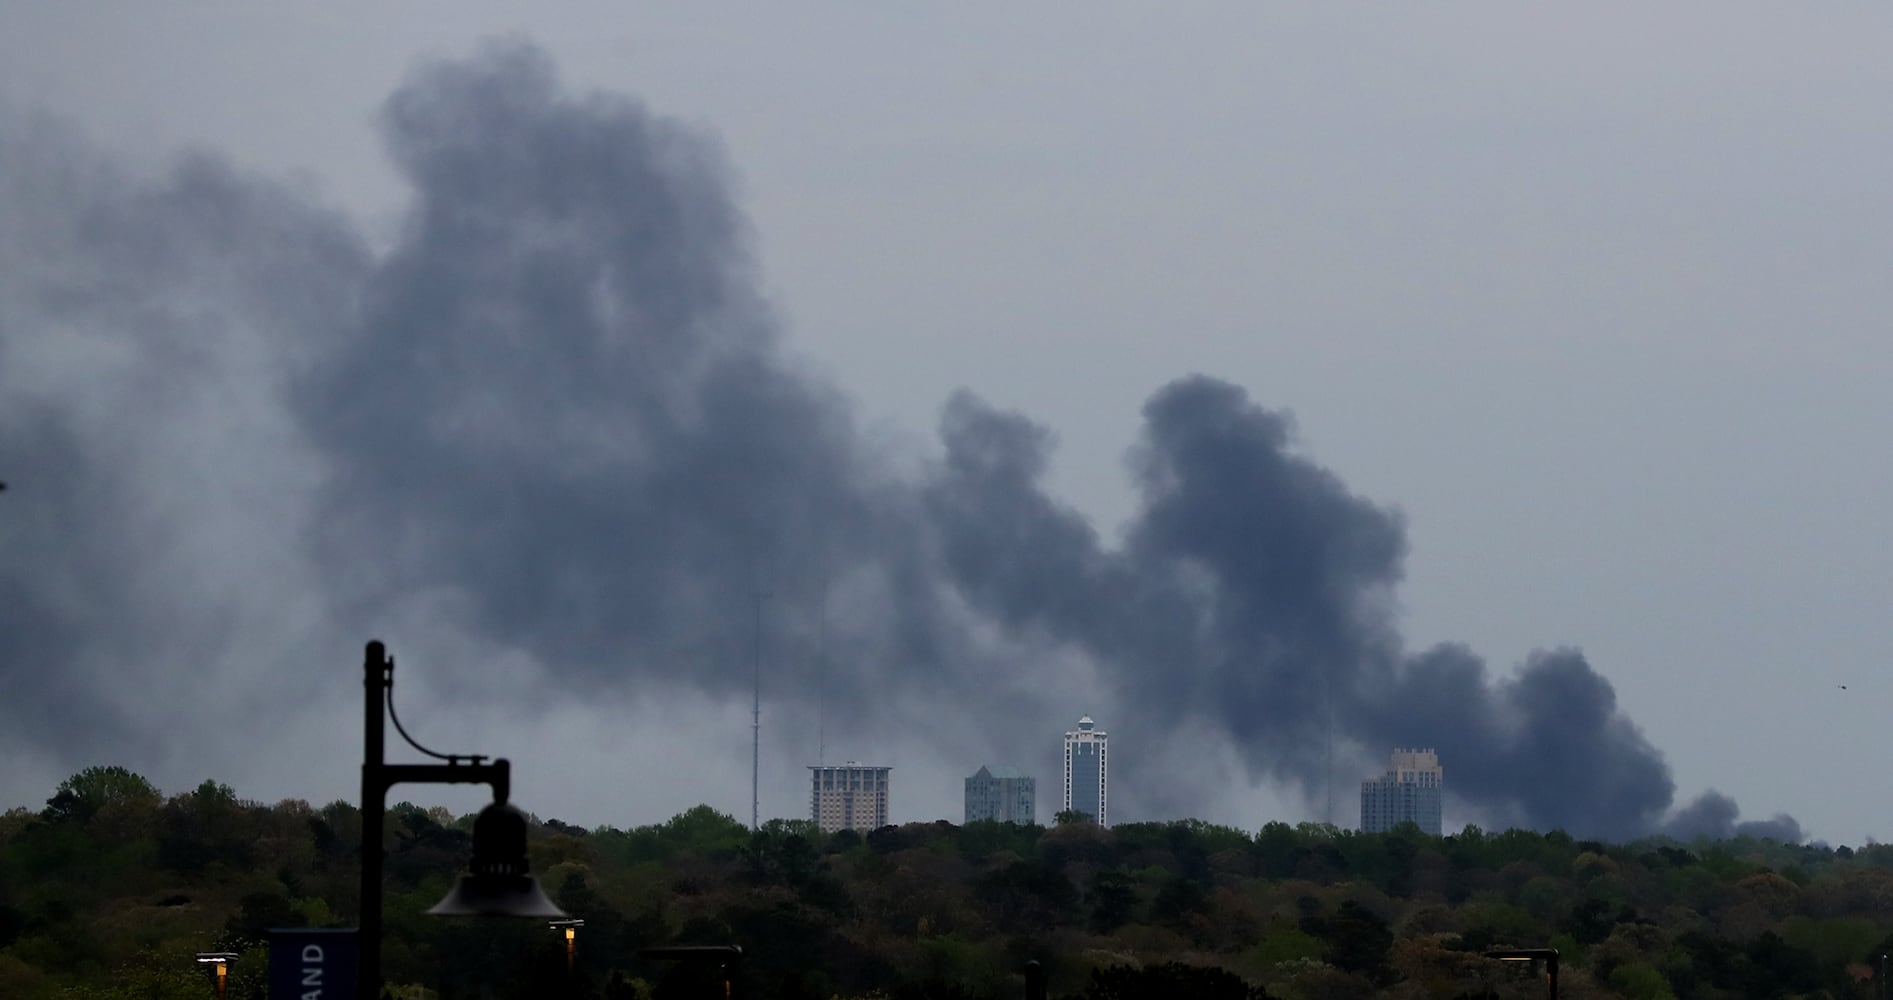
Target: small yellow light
{"x": 570, "y": 933}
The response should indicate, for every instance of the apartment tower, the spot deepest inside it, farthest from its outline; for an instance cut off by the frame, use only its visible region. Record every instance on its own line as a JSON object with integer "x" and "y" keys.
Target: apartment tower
{"x": 1001, "y": 794}
{"x": 1087, "y": 772}
{"x": 849, "y": 796}
{"x": 1410, "y": 792}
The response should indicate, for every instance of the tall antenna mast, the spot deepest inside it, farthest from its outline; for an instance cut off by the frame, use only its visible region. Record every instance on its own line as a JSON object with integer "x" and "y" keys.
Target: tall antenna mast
{"x": 1327, "y": 695}
{"x": 755, "y": 728}
{"x": 821, "y": 676}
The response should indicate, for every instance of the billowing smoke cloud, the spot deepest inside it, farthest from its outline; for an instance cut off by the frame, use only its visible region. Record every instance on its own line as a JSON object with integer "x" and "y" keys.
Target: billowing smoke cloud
{"x": 1713, "y": 815}
{"x": 147, "y": 332}
{"x": 1254, "y": 594}
{"x": 1546, "y": 747}
{"x": 556, "y": 415}
{"x": 564, "y": 404}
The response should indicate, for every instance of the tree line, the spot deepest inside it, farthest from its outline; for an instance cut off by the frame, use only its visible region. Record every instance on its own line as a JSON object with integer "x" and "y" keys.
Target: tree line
{"x": 110, "y": 888}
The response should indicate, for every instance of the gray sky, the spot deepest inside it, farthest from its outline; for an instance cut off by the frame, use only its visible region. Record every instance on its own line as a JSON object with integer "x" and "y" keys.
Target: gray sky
{"x": 1586, "y": 295}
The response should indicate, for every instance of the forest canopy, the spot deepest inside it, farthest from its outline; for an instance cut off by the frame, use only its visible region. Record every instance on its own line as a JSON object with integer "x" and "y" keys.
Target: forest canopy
{"x": 111, "y": 887}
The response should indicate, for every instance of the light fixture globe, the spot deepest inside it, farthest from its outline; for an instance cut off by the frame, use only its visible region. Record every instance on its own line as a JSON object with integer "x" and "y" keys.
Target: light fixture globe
{"x": 498, "y": 882}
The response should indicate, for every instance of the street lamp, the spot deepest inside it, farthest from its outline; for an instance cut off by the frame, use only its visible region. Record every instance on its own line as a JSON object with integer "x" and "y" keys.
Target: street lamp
{"x": 219, "y": 960}
{"x": 498, "y": 881}
{"x": 1034, "y": 980}
{"x": 724, "y": 955}
{"x": 570, "y": 926}
{"x": 1549, "y": 955}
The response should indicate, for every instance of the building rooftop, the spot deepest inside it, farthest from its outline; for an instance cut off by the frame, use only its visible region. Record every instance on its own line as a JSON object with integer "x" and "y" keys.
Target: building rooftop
{"x": 1002, "y": 771}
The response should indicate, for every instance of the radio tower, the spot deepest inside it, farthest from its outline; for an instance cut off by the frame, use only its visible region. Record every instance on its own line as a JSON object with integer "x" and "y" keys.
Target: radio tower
{"x": 1327, "y": 696}
{"x": 755, "y": 728}
{"x": 821, "y": 681}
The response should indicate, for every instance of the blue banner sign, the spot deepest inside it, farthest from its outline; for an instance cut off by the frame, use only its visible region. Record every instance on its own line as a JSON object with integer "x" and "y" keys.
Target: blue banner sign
{"x": 309, "y": 964}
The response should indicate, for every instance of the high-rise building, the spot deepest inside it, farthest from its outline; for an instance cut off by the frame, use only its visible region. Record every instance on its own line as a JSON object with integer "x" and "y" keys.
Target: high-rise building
{"x": 849, "y": 796}
{"x": 1087, "y": 772}
{"x": 1002, "y": 794}
{"x": 1410, "y": 792}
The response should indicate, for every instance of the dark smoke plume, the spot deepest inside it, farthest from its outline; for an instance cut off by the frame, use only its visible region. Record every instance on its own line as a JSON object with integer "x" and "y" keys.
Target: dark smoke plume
{"x": 556, "y": 416}
{"x": 1713, "y": 815}
{"x": 564, "y": 403}
{"x": 146, "y": 332}
{"x": 1254, "y": 593}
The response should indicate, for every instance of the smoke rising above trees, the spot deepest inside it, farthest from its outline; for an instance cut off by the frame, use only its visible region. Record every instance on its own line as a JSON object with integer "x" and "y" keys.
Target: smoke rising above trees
{"x": 558, "y": 408}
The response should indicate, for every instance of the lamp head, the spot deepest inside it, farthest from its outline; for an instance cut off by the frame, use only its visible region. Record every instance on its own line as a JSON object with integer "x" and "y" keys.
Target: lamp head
{"x": 498, "y": 882}
{"x": 1523, "y": 954}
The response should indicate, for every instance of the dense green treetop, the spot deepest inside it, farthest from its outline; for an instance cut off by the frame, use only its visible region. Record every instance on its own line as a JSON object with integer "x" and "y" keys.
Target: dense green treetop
{"x": 108, "y": 889}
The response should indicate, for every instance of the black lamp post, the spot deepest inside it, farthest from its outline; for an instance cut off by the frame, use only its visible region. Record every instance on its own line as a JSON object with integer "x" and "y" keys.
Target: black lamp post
{"x": 217, "y": 961}
{"x": 497, "y": 883}
{"x": 726, "y": 957}
{"x": 1548, "y": 955}
{"x": 568, "y": 929}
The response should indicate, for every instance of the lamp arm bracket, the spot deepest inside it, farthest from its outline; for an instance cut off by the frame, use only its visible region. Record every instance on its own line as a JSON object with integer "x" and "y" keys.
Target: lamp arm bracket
{"x": 498, "y": 774}
{"x": 451, "y": 758}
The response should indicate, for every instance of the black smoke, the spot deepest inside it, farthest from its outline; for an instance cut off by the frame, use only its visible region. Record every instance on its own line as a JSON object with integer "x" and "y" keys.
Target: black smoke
{"x": 147, "y": 329}
{"x": 1714, "y": 815}
{"x": 564, "y": 402}
{"x": 1254, "y": 594}
{"x": 558, "y": 406}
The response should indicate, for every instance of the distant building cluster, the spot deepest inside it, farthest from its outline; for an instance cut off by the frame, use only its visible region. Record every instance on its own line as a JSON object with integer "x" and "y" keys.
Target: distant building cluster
{"x": 854, "y": 796}
{"x": 1410, "y": 792}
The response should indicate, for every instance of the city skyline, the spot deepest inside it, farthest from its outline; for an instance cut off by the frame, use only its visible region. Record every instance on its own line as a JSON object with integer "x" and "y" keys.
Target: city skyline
{"x": 1524, "y": 413}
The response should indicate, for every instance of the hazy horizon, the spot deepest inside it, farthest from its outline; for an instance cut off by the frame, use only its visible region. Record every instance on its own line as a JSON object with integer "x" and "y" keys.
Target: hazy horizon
{"x": 1502, "y": 385}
